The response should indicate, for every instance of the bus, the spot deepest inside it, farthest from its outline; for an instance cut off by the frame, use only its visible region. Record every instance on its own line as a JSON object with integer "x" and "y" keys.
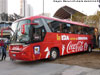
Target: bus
{"x": 40, "y": 37}
{"x": 6, "y": 33}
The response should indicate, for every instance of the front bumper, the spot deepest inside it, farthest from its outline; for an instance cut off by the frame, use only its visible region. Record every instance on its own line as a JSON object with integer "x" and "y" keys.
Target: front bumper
{"x": 25, "y": 56}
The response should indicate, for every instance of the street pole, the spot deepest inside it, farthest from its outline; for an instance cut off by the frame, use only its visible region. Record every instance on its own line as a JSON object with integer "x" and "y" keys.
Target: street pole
{"x": 24, "y": 8}
{"x": 43, "y": 7}
{"x": 98, "y": 34}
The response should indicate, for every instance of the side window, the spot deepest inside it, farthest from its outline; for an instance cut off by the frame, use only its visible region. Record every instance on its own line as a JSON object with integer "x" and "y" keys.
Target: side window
{"x": 88, "y": 30}
{"x": 50, "y": 25}
{"x": 85, "y": 30}
{"x": 66, "y": 28}
{"x": 55, "y": 26}
{"x": 38, "y": 21}
{"x": 71, "y": 29}
{"x": 79, "y": 30}
{"x": 38, "y": 32}
{"x": 91, "y": 30}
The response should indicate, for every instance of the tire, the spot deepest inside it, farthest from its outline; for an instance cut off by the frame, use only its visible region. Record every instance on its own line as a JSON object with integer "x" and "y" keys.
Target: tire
{"x": 54, "y": 54}
{"x": 89, "y": 49}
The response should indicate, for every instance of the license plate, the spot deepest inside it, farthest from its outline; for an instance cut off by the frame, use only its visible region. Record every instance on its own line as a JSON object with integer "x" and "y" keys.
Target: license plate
{"x": 14, "y": 55}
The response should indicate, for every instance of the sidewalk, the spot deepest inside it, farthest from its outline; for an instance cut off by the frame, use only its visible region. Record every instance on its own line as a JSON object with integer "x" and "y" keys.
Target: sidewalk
{"x": 96, "y": 50}
{"x": 77, "y": 70}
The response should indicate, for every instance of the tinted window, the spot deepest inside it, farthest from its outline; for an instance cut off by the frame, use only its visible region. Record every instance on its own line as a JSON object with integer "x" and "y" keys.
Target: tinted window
{"x": 38, "y": 32}
{"x": 38, "y": 21}
{"x": 62, "y": 27}
{"x": 55, "y": 26}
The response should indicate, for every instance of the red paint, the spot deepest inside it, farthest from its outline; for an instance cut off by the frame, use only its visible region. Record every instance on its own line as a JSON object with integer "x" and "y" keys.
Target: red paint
{"x": 66, "y": 43}
{"x": 23, "y": 29}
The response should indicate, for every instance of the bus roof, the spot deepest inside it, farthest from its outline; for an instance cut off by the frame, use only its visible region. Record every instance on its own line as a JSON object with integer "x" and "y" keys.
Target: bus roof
{"x": 66, "y": 21}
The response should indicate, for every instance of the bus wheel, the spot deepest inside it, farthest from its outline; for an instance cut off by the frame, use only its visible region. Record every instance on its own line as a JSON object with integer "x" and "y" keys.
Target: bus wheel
{"x": 53, "y": 54}
{"x": 89, "y": 49}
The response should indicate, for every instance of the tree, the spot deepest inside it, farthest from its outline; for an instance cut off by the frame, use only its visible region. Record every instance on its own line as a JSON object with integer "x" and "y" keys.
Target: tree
{"x": 93, "y": 20}
{"x": 13, "y": 17}
{"x": 4, "y": 16}
{"x": 78, "y": 17}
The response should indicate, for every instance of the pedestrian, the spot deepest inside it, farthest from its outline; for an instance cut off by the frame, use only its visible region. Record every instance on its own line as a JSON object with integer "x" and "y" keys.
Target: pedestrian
{"x": 3, "y": 48}
{"x": 0, "y": 50}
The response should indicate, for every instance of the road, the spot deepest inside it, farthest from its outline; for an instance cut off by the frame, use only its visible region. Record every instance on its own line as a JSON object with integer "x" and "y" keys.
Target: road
{"x": 8, "y": 67}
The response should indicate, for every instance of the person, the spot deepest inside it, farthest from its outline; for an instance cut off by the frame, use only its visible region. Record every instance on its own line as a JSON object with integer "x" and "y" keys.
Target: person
{"x": 94, "y": 40}
{"x": 0, "y": 50}
{"x": 3, "y": 48}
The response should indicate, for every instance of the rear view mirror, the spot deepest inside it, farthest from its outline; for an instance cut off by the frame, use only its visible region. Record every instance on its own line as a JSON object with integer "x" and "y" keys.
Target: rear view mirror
{"x": 23, "y": 29}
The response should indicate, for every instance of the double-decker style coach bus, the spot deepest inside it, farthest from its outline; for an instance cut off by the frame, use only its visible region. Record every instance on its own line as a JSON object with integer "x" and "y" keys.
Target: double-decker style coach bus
{"x": 41, "y": 37}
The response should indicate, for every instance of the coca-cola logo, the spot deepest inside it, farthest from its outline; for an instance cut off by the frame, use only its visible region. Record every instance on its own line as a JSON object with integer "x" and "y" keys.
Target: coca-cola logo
{"x": 76, "y": 47}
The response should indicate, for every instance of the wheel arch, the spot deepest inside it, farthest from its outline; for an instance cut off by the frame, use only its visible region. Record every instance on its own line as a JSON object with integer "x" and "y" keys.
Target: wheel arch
{"x": 57, "y": 48}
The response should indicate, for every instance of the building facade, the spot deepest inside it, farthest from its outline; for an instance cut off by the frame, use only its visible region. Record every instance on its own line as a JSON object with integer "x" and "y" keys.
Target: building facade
{"x": 3, "y": 6}
{"x": 29, "y": 10}
{"x": 25, "y": 9}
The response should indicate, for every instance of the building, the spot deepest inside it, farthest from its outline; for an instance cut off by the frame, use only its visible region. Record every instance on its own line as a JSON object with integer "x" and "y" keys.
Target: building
{"x": 6, "y": 33}
{"x": 23, "y": 9}
{"x": 66, "y": 12}
{"x": 26, "y": 10}
{"x": 45, "y": 14}
{"x": 29, "y": 10}
{"x": 3, "y": 6}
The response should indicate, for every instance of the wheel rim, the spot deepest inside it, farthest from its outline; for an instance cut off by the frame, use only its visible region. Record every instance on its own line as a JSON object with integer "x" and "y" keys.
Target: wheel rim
{"x": 54, "y": 54}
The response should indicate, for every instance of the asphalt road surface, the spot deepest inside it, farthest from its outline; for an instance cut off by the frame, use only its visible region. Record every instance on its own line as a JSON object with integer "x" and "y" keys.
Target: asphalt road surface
{"x": 8, "y": 67}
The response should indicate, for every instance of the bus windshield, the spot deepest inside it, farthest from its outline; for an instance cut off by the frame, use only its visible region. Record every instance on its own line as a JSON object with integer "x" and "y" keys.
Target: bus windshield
{"x": 18, "y": 36}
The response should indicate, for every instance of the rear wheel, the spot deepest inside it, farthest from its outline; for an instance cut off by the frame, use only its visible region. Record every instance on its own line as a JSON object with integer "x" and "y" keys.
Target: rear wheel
{"x": 89, "y": 49}
{"x": 54, "y": 54}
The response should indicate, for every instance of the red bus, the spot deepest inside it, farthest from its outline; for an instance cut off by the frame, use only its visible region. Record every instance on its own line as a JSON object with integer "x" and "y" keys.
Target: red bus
{"x": 41, "y": 37}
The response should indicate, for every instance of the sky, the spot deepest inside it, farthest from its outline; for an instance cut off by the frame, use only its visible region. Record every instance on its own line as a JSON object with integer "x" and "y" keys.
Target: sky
{"x": 88, "y": 8}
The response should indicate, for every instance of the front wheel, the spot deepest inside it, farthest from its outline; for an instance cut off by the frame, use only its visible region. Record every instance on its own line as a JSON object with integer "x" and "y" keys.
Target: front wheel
{"x": 89, "y": 49}
{"x": 53, "y": 54}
